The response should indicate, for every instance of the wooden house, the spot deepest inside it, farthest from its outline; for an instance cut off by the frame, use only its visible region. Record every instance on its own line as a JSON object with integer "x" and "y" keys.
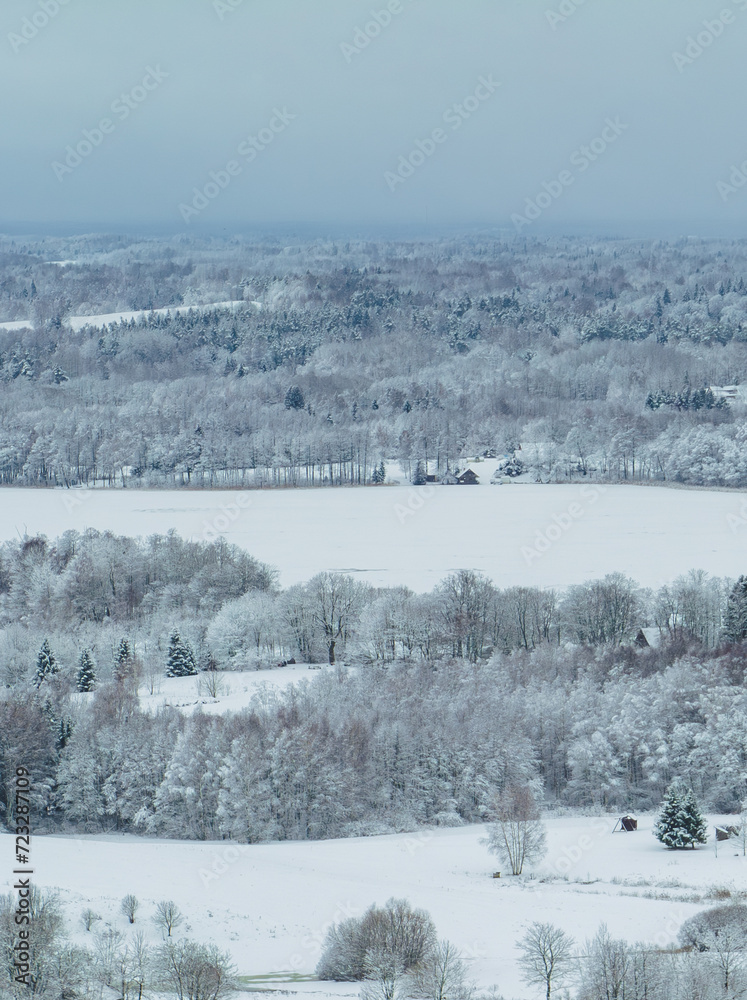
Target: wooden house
{"x": 468, "y": 478}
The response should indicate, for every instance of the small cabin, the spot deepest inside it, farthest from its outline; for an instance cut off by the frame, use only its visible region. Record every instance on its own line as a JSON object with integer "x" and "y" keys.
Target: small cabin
{"x": 468, "y": 478}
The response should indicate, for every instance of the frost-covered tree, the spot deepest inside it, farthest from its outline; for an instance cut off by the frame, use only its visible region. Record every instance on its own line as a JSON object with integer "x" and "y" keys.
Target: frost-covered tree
{"x": 129, "y": 906}
{"x": 181, "y": 659}
{"x": 192, "y": 971}
{"x": 378, "y": 476}
{"x": 419, "y": 477}
{"x": 441, "y": 975}
{"x": 168, "y": 915}
{"x": 517, "y": 833}
{"x": 46, "y": 664}
{"x": 735, "y": 619}
{"x": 546, "y": 953}
{"x": 680, "y": 823}
{"x": 86, "y": 676}
{"x": 294, "y": 398}
{"x": 124, "y": 662}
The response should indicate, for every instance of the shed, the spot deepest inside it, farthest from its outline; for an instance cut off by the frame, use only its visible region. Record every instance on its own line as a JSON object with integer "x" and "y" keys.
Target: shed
{"x": 468, "y": 478}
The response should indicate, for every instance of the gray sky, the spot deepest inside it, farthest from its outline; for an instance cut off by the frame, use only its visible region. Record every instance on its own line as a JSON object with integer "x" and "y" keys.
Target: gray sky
{"x": 349, "y": 156}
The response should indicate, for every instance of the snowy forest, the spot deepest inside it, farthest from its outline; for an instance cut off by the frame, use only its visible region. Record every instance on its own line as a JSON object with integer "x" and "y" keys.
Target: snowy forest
{"x": 429, "y": 704}
{"x": 326, "y": 358}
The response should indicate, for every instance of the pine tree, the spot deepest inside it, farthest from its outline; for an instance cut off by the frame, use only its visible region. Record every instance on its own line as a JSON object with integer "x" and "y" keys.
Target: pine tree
{"x": 680, "y": 823}
{"x": 735, "y": 621}
{"x": 86, "y": 678}
{"x": 46, "y": 664}
{"x": 181, "y": 659}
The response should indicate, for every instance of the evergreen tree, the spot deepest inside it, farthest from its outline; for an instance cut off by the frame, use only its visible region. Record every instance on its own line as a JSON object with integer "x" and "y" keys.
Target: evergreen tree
{"x": 123, "y": 662}
{"x": 63, "y": 732}
{"x": 735, "y": 620}
{"x": 378, "y": 475}
{"x": 419, "y": 477}
{"x": 86, "y": 678}
{"x": 181, "y": 659}
{"x": 46, "y": 664}
{"x": 695, "y": 822}
{"x": 294, "y": 398}
{"x": 680, "y": 823}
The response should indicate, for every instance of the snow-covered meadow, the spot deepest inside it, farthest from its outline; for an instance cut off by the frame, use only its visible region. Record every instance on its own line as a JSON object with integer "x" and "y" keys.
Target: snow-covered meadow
{"x": 233, "y": 690}
{"x": 269, "y": 904}
{"x": 518, "y": 534}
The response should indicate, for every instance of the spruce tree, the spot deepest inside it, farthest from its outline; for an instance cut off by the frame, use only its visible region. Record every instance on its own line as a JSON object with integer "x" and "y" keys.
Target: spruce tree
{"x": 419, "y": 478}
{"x": 378, "y": 476}
{"x": 680, "y": 822}
{"x": 123, "y": 662}
{"x": 46, "y": 664}
{"x": 735, "y": 621}
{"x": 86, "y": 678}
{"x": 181, "y": 659}
{"x": 695, "y": 822}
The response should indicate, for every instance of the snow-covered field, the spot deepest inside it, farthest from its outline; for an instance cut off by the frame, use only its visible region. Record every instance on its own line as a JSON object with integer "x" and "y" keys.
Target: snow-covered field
{"x": 401, "y": 535}
{"x": 269, "y": 904}
{"x": 236, "y": 689}
{"x": 104, "y": 319}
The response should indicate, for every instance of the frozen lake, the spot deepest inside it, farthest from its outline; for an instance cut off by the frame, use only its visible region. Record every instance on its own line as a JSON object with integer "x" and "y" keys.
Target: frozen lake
{"x": 402, "y": 535}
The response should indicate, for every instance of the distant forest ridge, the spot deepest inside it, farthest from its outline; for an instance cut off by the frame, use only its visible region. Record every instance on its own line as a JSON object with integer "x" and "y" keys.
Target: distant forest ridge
{"x": 606, "y": 360}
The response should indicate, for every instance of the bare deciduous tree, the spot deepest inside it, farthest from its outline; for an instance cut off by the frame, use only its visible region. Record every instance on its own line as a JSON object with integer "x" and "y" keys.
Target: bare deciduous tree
{"x": 545, "y": 956}
{"x": 442, "y": 975}
{"x": 129, "y": 907}
{"x": 517, "y": 834}
{"x": 168, "y": 915}
{"x": 89, "y": 918}
{"x": 192, "y": 971}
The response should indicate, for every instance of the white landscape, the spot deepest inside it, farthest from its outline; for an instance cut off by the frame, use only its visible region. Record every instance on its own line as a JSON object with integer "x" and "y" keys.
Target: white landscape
{"x": 517, "y": 534}
{"x": 271, "y": 905}
{"x": 373, "y": 501}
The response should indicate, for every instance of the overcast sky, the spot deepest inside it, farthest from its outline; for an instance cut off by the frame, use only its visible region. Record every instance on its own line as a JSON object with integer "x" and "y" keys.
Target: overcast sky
{"x": 331, "y": 117}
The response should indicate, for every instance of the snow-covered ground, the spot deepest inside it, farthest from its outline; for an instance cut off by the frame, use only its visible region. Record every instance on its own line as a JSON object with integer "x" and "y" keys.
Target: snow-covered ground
{"x": 401, "y": 535}
{"x": 270, "y": 904}
{"x": 104, "y": 319}
{"x": 235, "y": 689}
